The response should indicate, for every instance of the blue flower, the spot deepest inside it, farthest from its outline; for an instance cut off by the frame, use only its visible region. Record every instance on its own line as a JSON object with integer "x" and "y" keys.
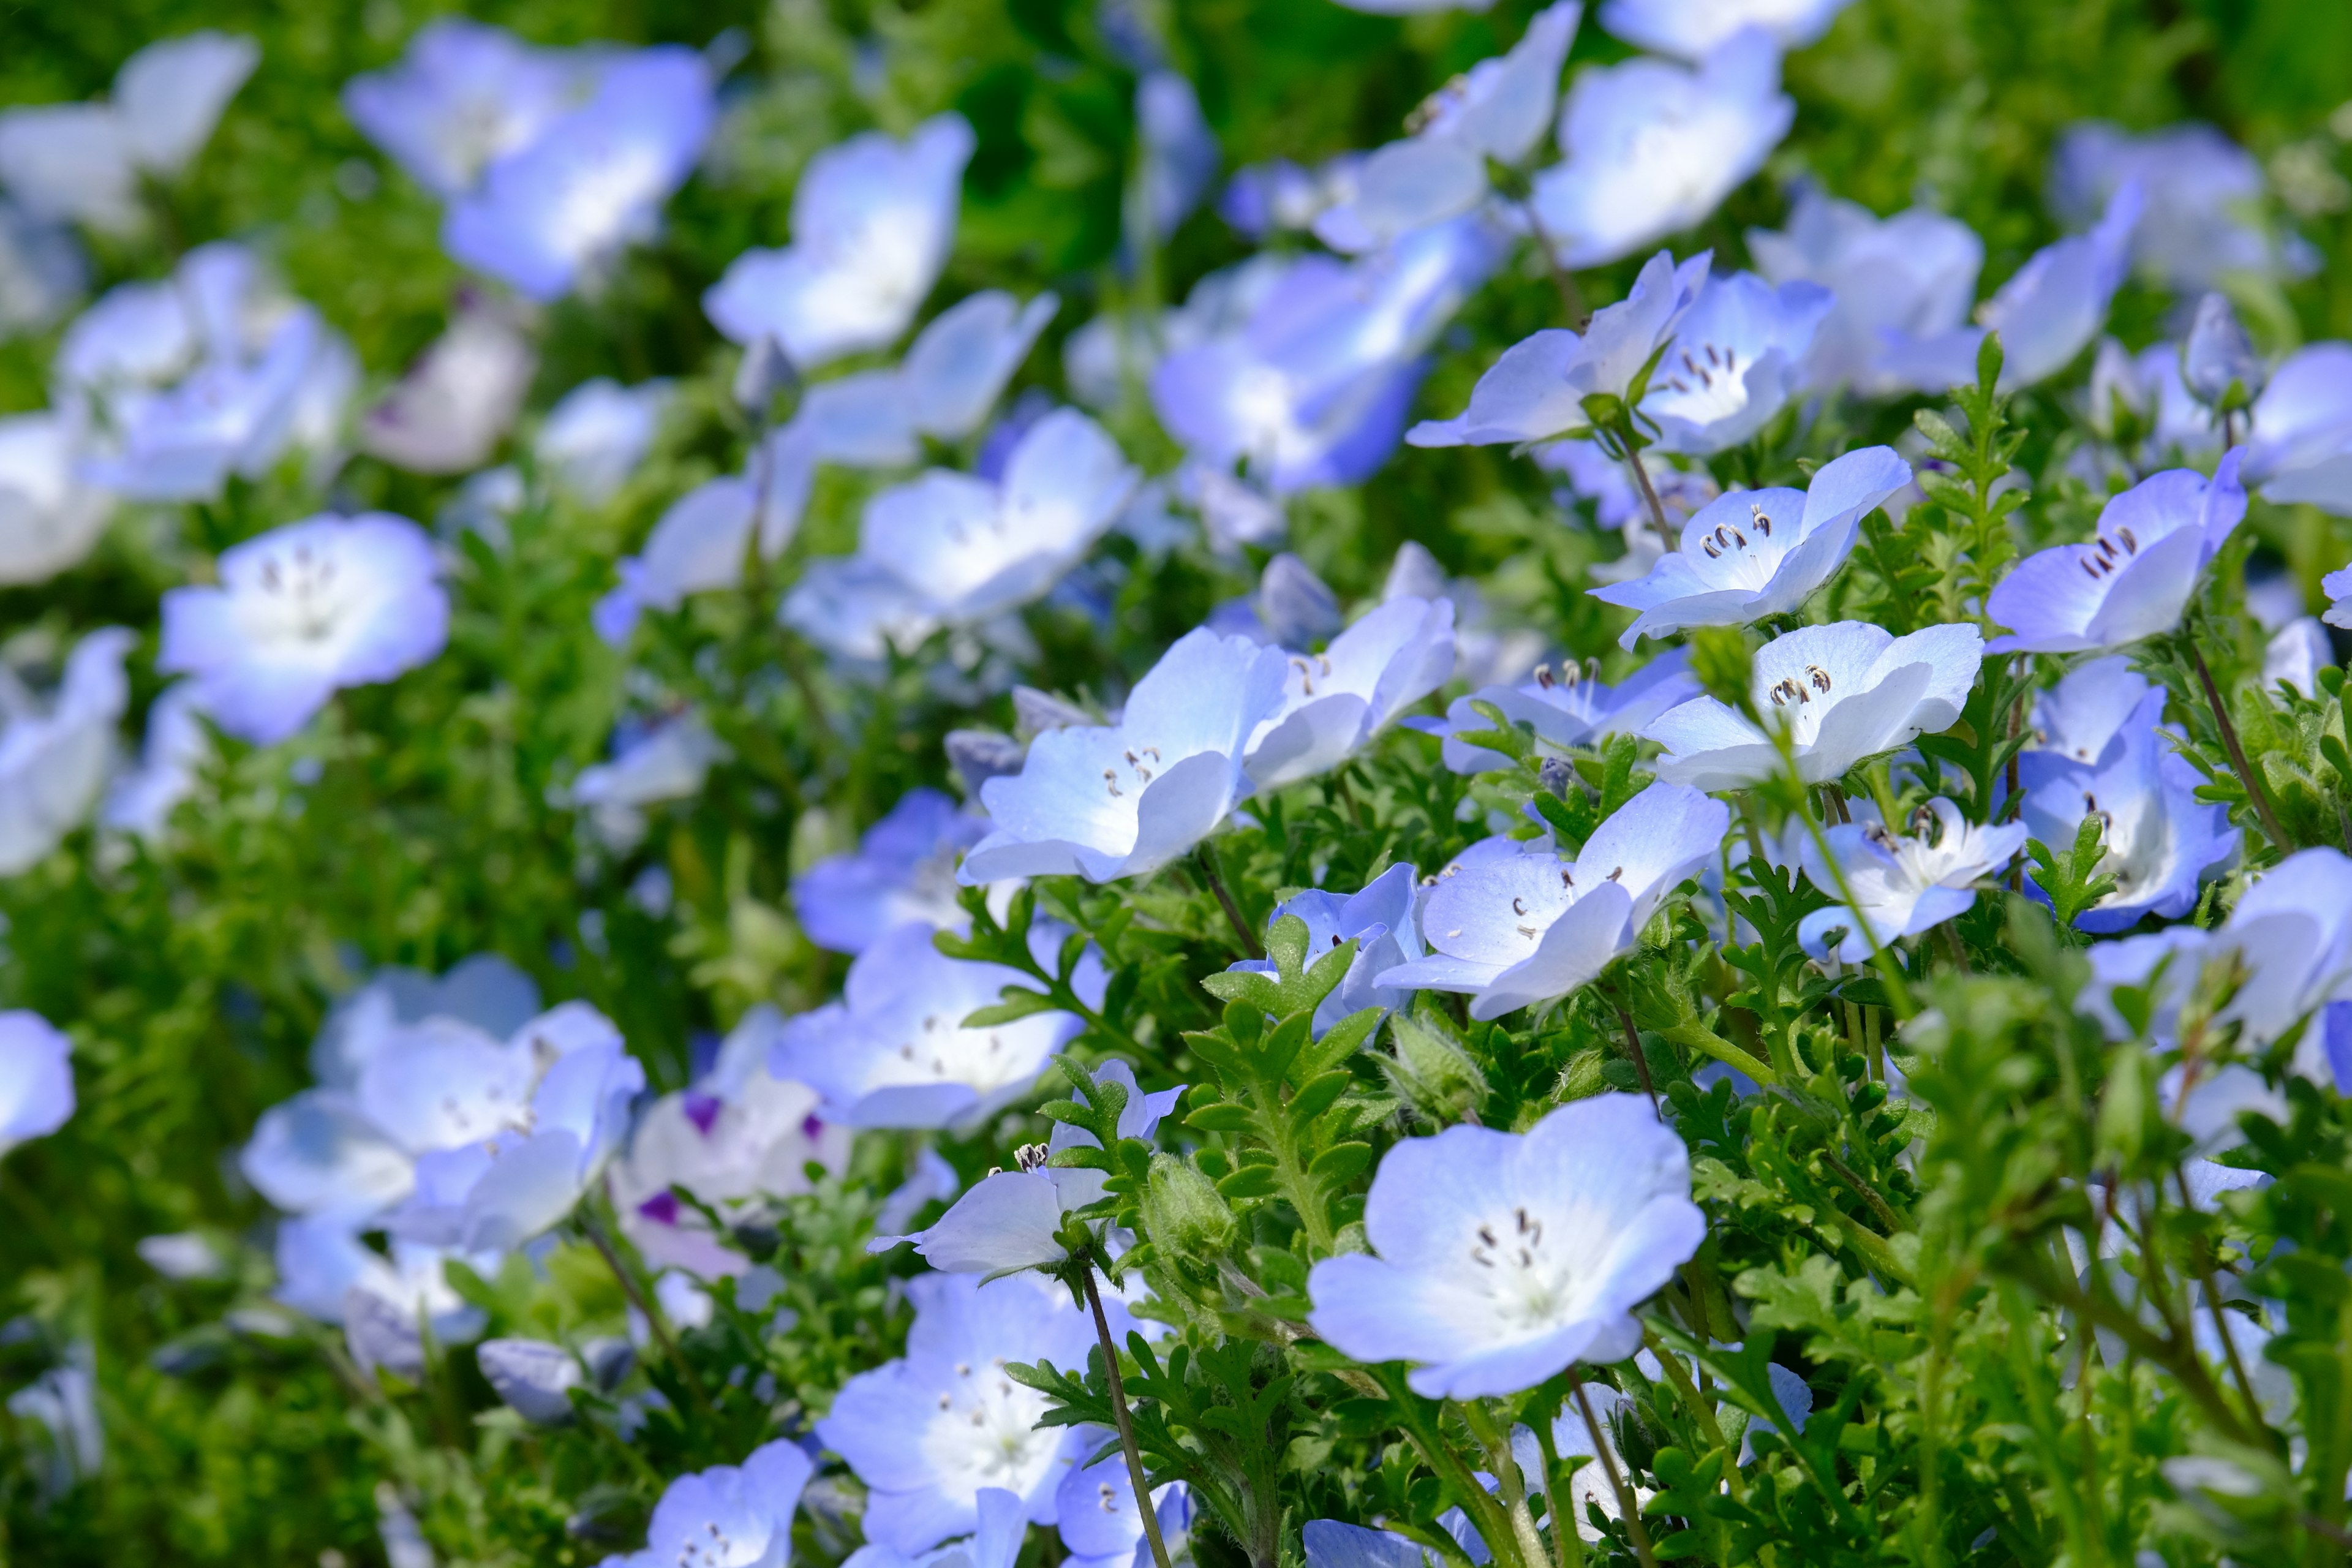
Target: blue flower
{"x": 1690, "y": 29}
{"x": 1521, "y": 931}
{"x": 2134, "y": 579}
{"x": 1179, "y": 156}
{"x": 2217, "y": 359}
{"x": 698, "y": 546}
{"x": 1737, "y": 360}
{"x": 2301, "y": 446}
{"x": 1845, "y": 692}
{"x": 1380, "y": 921}
{"x": 903, "y": 869}
{"x": 873, "y": 220}
{"x": 302, "y": 612}
{"x": 1650, "y": 149}
{"x": 2161, "y": 843}
{"x": 464, "y": 96}
{"x": 1754, "y": 554}
{"x": 2046, "y": 313}
{"x": 1902, "y": 885}
{"x": 1335, "y": 701}
{"x": 2148, "y": 389}
{"x": 929, "y": 1432}
{"x": 447, "y": 414}
{"x": 1100, "y": 1523}
{"x": 1332, "y": 1544}
{"x": 728, "y": 1515}
{"x": 1568, "y": 710}
{"x": 1012, "y": 1220}
{"x": 894, "y": 1051}
{"x": 2295, "y": 655}
{"x": 592, "y": 180}
{"x": 1891, "y": 280}
{"x": 46, "y": 270}
{"x": 1536, "y": 390}
{"x": 1500, "y": 1259}
{"x": 1498, "y": 111}
{"x": 597, "y": 434}
{"x": 1311, "y": 385}
{"x": 1123, "y": 800}
{"x": 857, "y": 610}
{"x": 141, "y": 798}
{"x": 652, "y": 763}
{"x": 2204, "y": 193}
{"x": 37, "y": 1088}
{"x": 327, "y": 1272}
{"x": 55, "y": 755}
{"x": 84, "y": 161}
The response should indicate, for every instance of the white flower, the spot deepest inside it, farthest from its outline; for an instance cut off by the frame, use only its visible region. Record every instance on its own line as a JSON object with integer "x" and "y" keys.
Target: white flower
{"x": 1843, "y": 692}
{"x": 449, "y": 413}
{"x": 54, "y": 755}
{"x": 1902, "y": 885}
{"x": 49, "y": 517}
{"x": 37, "y": 1086}
{"x": 1335, "y": 701}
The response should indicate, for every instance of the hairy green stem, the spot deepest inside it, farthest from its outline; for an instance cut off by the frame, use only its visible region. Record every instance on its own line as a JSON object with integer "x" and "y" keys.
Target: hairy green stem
{"x": 1135, "y": 1475}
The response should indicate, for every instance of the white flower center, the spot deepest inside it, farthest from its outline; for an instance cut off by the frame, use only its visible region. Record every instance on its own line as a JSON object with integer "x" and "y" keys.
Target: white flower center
{"x": 300, "y": 595}
{"x": 984, "y": 1433}
{"x": 1522, "y": 1275}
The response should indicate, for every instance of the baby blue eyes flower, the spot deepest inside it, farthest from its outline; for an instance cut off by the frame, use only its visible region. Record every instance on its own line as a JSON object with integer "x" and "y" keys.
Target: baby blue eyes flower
{"x": 464, "y": 96}
{"x": 302, "y": 612}
{"x": 2160, "y": 842}
{"x": 1754, "y": 554}
{"x": 1099, "y": 1522}
{"x": 447, "y": 414}
{"x": 903, "y": 869}
{"x": 1335, "y": 701}
{"x": 37, "y": 1088}
{"x": 1179, "y": 156}
{"x": 1844, "y": 691}
{"x": 1893, "y": 281}
{"x": 1123, "y": 800}
{"x": 1690, "y": 29}
{"x": 1536, "y": 390}
{"x": 1737, "y": 360}
{"x": 1012, "y": 1220}
{"x": 596, "y": 437}
{"x": 2300, "y": 448}
{"x": 1650, "y": 148}
{"x": 873, "y": 220}
{"x": 2134, "y": 579}
{"x": 84, "y": 161}
{"x": 2218, "y": 361}
{"x": 1498, "y": 111}
{"x": 54, "y": 754}
{"x": 1520, "y": 931}
{"x": 730, "y": 1516}
{"x": 1500, "y": 1259}
{"x": 663, "y": 761}
{"x": 894, "y": 1051}
{"x": 1381, "y": 923}
{"x": 1902, "y": 885}
{"x": 592, "y": 180}
{"x": 2203, "y": 191}
{"x": 929, "y": 1432}
{"x": 1570, "y": 709}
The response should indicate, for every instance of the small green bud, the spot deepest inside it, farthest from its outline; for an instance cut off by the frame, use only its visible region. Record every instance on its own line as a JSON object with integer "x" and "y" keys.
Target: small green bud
{"x": 1433, "y": 1070}
{"x": 1183, "y": 1214}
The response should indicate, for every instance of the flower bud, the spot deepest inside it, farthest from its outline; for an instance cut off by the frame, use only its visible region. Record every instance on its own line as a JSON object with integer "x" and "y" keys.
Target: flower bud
{"x": 2218, "y": 361}
{"x": 1185, "y": 1215}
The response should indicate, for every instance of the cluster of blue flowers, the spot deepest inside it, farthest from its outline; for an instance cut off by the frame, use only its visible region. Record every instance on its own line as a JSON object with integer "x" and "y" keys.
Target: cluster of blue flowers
{"x": 457, "y": 1121}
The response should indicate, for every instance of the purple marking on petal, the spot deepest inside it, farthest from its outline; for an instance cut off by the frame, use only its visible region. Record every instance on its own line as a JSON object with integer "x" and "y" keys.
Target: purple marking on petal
{"x": 661, "y": 1208}
{"x": 811, "y": 1127}
{"x": 703, "y": 1109}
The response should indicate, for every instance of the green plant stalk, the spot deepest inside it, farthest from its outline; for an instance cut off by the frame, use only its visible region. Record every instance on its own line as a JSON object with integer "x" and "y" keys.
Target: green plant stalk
{"x": 1510, "y": 1484}
{"x": 1206, "y": 855}
{"x": 655, "y": 1320}
{"x": 2255, "y": 791}
{"x": 1494, "y": 1527}
{"x": 1629, "y": 1507}
{"x": 1135, "y": 1476}
{"x": 1702, "y": 1413}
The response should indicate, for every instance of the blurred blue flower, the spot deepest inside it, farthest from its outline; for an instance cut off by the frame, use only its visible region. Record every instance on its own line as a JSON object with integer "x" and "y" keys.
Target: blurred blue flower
{"x": 1651, "y": 148}
{"x": 1310, "y": 384}
{"x": 592, "y": 180}
{"x": 36, "y": 1086}
{"x": 459, "y": 397}
{"x": 1890, "y": 280}
{"x": 141, "y": 799}
{"x": 2300, "y": 449}
{"x": 728, "y": 1514}
{"x": 1381, "y": 919}
{"x": 1690, "y": 29}
{"x": 700, "y": 545}
{"x": 1179, "y": 157}
{"x": 1335, "y": 701}
{"x": 1123, "y": 800}
{"x": 1500, "y": 1259}
{"x": 464, "y": 96}
{"x": 2134, "y": 579}
{"x": 2145, "y": 392}
{"x": 2202, "y": 225}
{"x": 1571, "y": 709}
{"x": 662, "y": 762}
{"x": 1099, "y": 1522}
{"x": 300, "y": 612}
{"x": 1279, "y": 197}
{"x": 43, "y": 272}
{"x": 1844, "y": 692}
{"x": 1902, "y": 885}
{"x": 2048, "y": 313}
{"x": 873, "y": 220}
{"x": 597, "y": 434}
{"x": 903, "y": 869}
{"x": 894, "y": 1050}
{"x": 2217, "y": 362}
{"x": 931, "y": 1431}
{"x": 55, "y": 754}
{"x": 1521, "y": 931}
{"x": 1755, "y": 553}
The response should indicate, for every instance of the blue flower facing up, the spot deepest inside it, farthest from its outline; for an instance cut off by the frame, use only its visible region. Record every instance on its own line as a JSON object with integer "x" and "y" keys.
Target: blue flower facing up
{"x": 1650, "y": 148}
{"x": 2134, "y": 579}
{"x": 1381, "y": 920}
{"x": 1754, "y": 554}
{"x": 1335, "y": 701}
{"x": 300, "y": 612}
{"x": 1522, "y": 930}
{"x": 1123, "y": 800}
{"x": 1500, "y": 1259}
{"x": 464, "y": 96}
{"x": 1737, "y": 360}
{"x": 903, "y": 869}
{"x": 1844, "y": 691}
{"x": 1570, "y": 709}
{"x": 929, "y": 1432}
{"x": 1902, "y": 885}
{"x": 592, "y": 180}
{"x": 730, "y": 1516}
{"x": 873, "y": 220}
{"x": 37, "y": 1086}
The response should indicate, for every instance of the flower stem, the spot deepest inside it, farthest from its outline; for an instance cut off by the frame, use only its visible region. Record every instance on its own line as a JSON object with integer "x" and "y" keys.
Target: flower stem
{"x": 1650, "y": 496}
{"x": 2246, "y": 774}
{"x": 1629, "y": 1507}
{"x": 1135, "y": 1476}
{"x": 1634, "y": 1048}
{"x": 1206, "y": 855}
{"x": 647, "y": 1310}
